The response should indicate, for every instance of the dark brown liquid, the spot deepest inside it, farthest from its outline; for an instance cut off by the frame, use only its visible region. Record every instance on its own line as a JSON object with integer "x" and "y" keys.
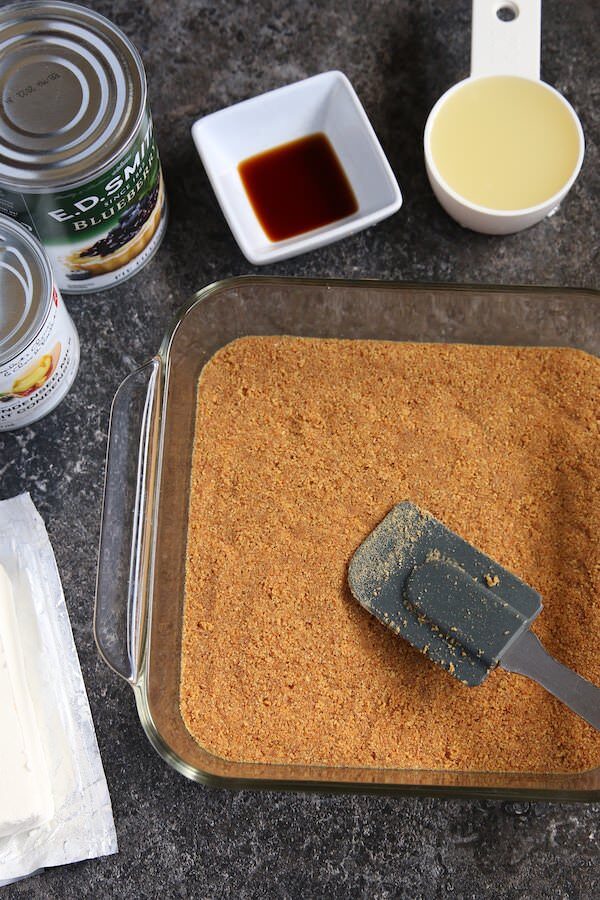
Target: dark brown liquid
{"x": 298, "y": 186}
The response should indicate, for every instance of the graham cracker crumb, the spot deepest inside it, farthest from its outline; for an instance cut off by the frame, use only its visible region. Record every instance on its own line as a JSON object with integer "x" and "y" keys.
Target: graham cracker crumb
{"x": 301, "y": 448}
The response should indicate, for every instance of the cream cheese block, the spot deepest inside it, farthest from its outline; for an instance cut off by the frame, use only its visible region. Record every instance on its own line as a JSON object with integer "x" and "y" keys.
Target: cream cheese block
{"x": 26, "y": 799}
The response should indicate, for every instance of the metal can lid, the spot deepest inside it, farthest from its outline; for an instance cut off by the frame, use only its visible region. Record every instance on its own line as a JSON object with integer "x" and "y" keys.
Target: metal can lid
{"x": 72, "y": 94}
{"x": 25, "y": 288}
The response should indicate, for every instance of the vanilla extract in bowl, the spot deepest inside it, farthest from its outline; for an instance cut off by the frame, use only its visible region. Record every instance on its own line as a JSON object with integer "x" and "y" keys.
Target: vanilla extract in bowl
{"x": 297, "y": 187}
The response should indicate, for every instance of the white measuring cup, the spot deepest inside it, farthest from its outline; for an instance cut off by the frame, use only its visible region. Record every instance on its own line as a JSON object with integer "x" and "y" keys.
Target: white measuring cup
{"x": 505, "y": 47}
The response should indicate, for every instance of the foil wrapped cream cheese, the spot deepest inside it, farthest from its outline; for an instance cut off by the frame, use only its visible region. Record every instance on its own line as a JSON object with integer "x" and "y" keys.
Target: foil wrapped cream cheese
{"x": 26, "y": 799}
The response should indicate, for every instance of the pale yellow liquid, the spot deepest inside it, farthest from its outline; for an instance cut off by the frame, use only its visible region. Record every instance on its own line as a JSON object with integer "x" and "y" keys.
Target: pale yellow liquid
{"x": 504, "y": 142}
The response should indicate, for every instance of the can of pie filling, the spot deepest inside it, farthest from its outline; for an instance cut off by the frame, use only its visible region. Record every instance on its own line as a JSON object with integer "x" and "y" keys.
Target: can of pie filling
{"x": 39, "y": 347}
{"x": 78, "y": 160}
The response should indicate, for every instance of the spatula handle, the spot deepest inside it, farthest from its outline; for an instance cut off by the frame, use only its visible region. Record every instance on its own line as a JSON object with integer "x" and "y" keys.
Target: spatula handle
{"x": 528, "y": 657}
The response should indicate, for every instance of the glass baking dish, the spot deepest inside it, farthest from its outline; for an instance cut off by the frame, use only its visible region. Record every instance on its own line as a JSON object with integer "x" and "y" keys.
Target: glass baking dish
{"x": 140, "y": 591}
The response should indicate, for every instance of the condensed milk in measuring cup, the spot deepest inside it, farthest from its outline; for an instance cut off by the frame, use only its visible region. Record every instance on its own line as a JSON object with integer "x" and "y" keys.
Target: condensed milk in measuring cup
{"x": 502, "y": 148}
{"x": 39, "y": 346}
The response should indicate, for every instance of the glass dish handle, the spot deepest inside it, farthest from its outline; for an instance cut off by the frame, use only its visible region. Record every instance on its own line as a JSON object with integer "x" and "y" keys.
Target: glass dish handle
{"x": 121, "y": 588}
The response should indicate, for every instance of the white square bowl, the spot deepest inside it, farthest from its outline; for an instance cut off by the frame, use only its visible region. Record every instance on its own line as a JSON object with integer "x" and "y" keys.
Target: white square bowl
{"x": 324, "y": 103}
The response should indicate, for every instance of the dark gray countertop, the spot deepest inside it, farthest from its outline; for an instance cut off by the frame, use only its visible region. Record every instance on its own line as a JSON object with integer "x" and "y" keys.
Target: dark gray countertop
{"x": 176, "y": 838}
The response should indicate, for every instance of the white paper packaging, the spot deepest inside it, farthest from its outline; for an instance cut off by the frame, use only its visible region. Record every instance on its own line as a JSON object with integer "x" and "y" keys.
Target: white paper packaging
{"x": 26, "y": 797}
{"x": 82, "y": 826}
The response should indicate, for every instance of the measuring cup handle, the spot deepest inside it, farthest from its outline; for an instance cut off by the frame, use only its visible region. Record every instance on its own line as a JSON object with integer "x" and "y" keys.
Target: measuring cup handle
{"x": 506, "y": 47}
{"x": 121, "y": 589}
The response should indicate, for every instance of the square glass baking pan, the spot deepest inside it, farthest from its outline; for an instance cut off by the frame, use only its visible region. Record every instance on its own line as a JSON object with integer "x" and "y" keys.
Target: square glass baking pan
{"x": 140, "y": 590}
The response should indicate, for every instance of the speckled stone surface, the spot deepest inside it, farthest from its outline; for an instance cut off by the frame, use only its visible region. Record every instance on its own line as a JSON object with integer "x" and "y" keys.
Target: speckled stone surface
{"x": 176, "y": 838}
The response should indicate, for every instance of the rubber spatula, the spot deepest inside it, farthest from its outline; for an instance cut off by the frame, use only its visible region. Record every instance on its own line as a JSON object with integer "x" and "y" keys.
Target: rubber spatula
{"x": 457, "y": 606}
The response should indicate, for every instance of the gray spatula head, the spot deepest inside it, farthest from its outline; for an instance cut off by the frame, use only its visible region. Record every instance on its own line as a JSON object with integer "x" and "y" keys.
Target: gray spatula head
{"x": 445, "y": 597}
{"x": 458, "y": 606}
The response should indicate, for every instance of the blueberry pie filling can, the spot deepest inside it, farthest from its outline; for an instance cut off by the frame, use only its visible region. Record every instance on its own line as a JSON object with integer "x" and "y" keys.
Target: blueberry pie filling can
{"x": 79, "y": 165}
{"x": 39, "y": 346}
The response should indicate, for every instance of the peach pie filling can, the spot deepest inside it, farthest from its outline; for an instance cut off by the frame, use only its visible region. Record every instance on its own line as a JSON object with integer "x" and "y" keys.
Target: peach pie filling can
{"x": 78, "y": 160}
{"x": 39, "y": 346}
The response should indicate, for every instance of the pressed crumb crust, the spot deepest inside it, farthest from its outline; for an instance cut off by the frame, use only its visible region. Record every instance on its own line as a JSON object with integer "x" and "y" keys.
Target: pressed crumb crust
{"x": 301, "y": 448}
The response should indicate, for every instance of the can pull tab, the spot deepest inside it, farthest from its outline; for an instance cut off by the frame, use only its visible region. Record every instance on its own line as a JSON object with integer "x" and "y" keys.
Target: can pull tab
{"x": 505, "y": 38}
{"x": 25, "y": 280}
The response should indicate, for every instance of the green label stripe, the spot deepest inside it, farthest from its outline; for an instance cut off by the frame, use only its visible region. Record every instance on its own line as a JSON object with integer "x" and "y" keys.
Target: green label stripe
{"x": 89, "y": 211}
